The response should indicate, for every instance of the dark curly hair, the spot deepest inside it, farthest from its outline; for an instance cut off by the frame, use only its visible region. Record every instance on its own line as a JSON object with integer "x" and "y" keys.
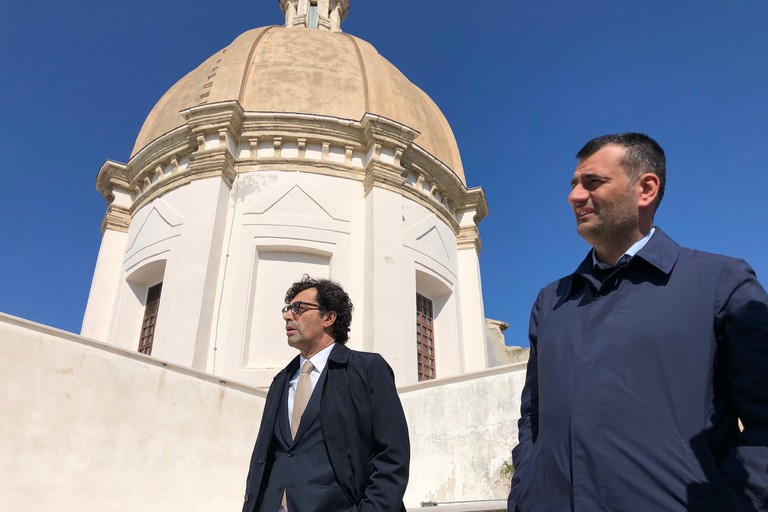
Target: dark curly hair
{"x": 330, "y": 297}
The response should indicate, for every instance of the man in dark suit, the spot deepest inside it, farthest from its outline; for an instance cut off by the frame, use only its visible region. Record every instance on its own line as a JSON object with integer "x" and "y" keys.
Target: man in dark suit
{"x": 333, "y": 436}
{"x": 643, "y": 361}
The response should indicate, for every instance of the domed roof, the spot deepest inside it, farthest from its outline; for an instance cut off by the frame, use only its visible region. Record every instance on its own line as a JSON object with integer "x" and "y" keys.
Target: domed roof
{"x": 280, "y": 69}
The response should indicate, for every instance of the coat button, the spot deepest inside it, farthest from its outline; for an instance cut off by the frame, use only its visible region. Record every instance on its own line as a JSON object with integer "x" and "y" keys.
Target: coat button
{"x": 261, "y": 460}
{"x": 291, "y": 454}
{"x": 280, "y": 488}
{"x": 246, "y": 498}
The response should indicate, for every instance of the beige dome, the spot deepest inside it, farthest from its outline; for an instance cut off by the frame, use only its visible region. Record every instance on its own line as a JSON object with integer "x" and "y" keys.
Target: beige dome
{"x": 278, "y": 69}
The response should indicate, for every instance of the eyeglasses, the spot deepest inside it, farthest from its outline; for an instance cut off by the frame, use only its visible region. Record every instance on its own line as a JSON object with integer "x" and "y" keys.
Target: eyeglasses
{"x": 299, "y": 307}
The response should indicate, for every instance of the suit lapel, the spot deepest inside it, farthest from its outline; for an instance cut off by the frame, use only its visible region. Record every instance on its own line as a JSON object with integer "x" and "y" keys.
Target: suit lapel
{"x": 282, "y": 424}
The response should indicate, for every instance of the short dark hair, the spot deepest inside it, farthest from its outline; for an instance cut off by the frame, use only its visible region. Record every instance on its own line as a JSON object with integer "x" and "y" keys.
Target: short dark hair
{"x": 330, "y": 297}
{"x": 643, "y": 154}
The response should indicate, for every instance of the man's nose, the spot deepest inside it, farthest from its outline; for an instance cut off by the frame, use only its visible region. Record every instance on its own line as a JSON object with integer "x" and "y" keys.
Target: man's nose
{"x": 578, "y": 195}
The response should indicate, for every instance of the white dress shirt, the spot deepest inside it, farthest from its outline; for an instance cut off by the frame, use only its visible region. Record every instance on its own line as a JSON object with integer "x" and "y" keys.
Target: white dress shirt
{"x": 633, "y": 249}
{"x": 319, "y": 361}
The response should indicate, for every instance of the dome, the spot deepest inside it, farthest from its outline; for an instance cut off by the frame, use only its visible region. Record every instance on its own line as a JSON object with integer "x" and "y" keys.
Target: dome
{"x": 293, "y": 69}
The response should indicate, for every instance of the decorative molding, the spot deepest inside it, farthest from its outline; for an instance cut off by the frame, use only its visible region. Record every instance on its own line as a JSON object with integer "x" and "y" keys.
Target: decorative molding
{"x": 222, "y": 140}
{"x": 475, "y": 200}
{"x": 296, "y": 183}
{"x": 386, "y": 132}
{"x": 425, "y": 234}
{"x": 117, "y": 219}
{"x": 111, "y": 175}
{"x": 468, "y": 238}
{"x": 380, "y": 174}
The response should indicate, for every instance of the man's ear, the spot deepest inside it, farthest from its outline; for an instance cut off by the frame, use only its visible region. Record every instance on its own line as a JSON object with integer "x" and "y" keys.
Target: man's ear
{"x": 648, "y": 186}
{"x": 330, "y": 318}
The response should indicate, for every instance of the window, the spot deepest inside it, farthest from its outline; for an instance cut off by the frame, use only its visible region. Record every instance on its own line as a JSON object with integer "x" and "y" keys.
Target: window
{"x": 150, "y": 319}
{"x": 312, "y": 22}
{"x": 425, "y": 338}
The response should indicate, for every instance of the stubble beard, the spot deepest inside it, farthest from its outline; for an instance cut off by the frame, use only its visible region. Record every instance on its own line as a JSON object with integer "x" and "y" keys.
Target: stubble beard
{"x": 613, "y": 226}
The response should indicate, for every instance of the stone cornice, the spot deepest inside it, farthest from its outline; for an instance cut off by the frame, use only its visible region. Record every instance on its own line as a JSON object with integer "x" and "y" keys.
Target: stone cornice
{"x": 471, "y": 213}
{"x": 162, "y": 150}
{"x": 387, "y": 132}
{"x": 475, "y": 200}
{"x": 224, "y": 119}
{"x": 383, "y": 175}
{"x": 421, "y": 159}
{"x": 117, "y": 218}
{"x": 469, "y": 238}
{"x": 221, "y": 140}
{"x": 297, "y": 125}
{"x": 111, "y": 174}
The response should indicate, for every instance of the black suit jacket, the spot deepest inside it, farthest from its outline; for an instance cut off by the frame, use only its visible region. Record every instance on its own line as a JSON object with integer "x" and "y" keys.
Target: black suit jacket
{"x": 363, "y": 426}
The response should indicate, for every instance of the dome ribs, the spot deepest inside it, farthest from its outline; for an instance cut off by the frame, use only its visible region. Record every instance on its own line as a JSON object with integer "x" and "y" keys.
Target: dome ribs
{"x": 361, "y": 63}
{"x": 250, "y": 63}
{"x": 279, "y": 69}
{"x": 207, "y": 85}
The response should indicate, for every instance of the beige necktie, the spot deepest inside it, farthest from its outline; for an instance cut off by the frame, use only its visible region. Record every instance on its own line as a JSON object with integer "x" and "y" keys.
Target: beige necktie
{"x": 301, "y": 398}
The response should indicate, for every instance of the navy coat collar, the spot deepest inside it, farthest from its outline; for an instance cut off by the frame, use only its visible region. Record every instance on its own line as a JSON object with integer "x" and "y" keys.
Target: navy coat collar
{"x": 660, "y": 252}
{"x": 339, "y": 354}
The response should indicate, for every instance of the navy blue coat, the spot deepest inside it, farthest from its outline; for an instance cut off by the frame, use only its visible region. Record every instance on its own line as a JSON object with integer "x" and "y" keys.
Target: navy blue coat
{"x": 363, "y": 426}
{"x": 635, "y": 387}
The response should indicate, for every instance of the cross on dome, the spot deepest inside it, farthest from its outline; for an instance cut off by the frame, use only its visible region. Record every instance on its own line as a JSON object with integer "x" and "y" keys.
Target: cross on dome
{"x": 317, "y": 14}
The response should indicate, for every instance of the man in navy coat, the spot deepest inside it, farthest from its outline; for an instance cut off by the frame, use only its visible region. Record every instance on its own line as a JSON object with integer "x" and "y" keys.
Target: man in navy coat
{"x": 347, "y": 448}
{"x": 647, "y": 384}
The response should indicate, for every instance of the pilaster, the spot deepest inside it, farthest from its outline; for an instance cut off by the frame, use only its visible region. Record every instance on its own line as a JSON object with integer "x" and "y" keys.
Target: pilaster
{"x": 473, "y": 350}
{"x": 101, "y": 308}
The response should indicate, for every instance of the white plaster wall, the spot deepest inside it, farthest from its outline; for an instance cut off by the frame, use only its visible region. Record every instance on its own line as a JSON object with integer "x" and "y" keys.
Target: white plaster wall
{"x": 470, "y": 292}
{"x": 151, "y": 249}
{"x": 274, "y": 270}
{"x": 101, "y": 309}
{"x": 184, "y": 230}
{"x": 388, "y": 284}
{"x": 432, "y": 242}
{"x": 88, "y": 426}
{"x": 433, "y": 260}
{"x": 227, "y": 255}
{"x": 462, "y": 430}
{"x": 191, "y": 277}
{"x": 282, "y": 225}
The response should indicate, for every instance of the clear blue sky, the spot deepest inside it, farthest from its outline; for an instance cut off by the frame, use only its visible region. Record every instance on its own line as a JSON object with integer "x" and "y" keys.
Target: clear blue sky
{"x": 523, "y": 84}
